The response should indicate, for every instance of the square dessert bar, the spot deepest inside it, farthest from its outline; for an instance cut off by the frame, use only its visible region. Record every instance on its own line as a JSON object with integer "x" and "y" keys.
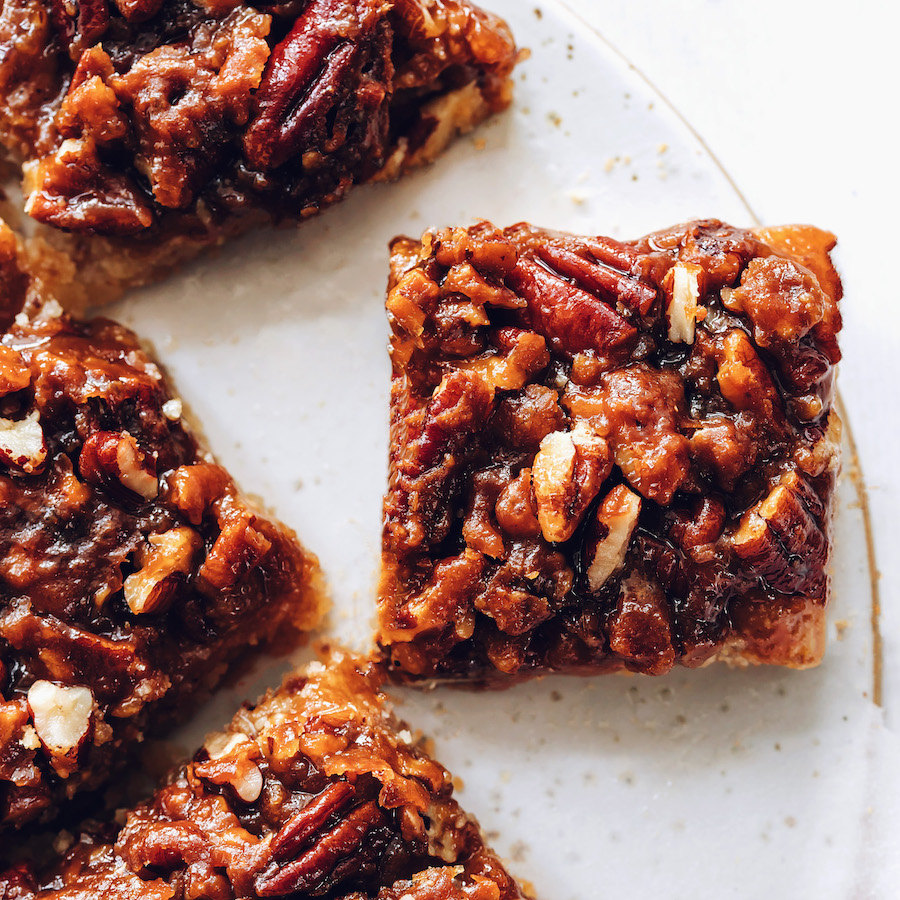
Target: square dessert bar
{"x": 132, "y": 571}
{"x": 315, "y": 792}
{"x": 150, "y": 129}
{"x": 609, "y": 455}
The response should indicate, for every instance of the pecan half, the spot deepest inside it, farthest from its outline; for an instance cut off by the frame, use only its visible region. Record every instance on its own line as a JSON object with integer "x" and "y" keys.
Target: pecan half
{"x": 439, "y": 434}
{"x": 460, "y": 405}
{"x": 305, "y": 74}
{"x": 780, "y": 539}
{"x": 515, "y": 611}
{"x": 571, "y": 319}
{"x": 601, "y": 278}
{"x": 480, "y": 528}
{"x": 317, "y": 866}
{"x": 300, "y": 828}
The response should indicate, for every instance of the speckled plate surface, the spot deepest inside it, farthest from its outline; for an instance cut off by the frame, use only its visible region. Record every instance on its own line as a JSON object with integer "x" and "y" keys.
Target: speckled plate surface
{"x": 739, "y": 783}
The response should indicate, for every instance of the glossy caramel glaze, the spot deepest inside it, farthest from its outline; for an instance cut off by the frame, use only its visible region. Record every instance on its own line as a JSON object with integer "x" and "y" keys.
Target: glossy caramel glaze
{"x": 606, "y": 454}
{"x": 132, "y": 571}
{"x": 315, "y": 792}
{"x": 168, "y": 125}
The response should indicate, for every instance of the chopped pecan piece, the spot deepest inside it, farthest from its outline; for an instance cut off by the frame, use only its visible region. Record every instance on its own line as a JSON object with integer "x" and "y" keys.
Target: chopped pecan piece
{"x": 608, "y": 454}
{"x": 683, "y": 306}
{"x": 114, "y": 461}
{"x": 339, "y": 803}
{"x": 616, "y": 519}
{"x": 516, "y": 508}
{"x": 640, "y": 631}
{"x": 22, "y": 443}
{"x": 74, "y": 189}
{"x": 62, "y": 717}
{"x": 567, "y": 473}
{"x": 639, "y": 411}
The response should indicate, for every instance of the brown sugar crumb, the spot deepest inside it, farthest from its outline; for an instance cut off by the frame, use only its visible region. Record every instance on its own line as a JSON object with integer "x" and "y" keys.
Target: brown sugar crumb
{"x": 149, "y": 129}
{"x": 132, "y": 570}
{"x": 609, "y": 455}
{"x": 315, "y": 792}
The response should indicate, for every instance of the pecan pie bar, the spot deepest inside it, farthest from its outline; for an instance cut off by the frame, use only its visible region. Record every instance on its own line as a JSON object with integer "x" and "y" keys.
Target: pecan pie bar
{"x": 132, "y": 571}
{"x": 609, "y": 455}
{"x": 150, "y": 129}
{"x": 313, "y": 793}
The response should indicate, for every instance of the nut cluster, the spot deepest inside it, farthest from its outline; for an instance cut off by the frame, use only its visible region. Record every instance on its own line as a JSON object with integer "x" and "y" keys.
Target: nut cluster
{"x": 608, "y": 454}
{"x": 316, "y": 792}
{"x": 171, "y": 115}
{"x": 131, "y": 570}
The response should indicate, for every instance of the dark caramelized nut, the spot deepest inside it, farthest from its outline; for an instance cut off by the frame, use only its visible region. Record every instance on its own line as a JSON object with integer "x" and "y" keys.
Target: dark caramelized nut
{"x": 608, "y": 454}
{"x": 516, "y": 510}
{"x": 80, "y": 23}
{"x": 639, "y": 411}
{"x": 303, "y": 80}
{"x": 328, "y": 856}
{"x": 73, "y": 189}
{"x": 527, "y": 416}
{"x": 703, "y": 527}
{"x": 781, "y": 298}
{"x": 781, "y": 538}
{"x": 299, "y": 829}
{"x": 570, "y": 318}
{"x": 640, "y": 631}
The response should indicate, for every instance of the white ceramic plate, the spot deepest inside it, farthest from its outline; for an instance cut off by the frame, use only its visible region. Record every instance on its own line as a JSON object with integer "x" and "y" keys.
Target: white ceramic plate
{"x": 709, "y": 783}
